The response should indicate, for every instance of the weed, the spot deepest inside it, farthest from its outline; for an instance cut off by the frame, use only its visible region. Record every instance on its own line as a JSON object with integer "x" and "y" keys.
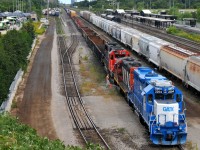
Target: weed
{"x": 121, "y": 130}
{"x": 191, "y": 146}
{"x": 14, "y": 104}
{"x": 85, "y": 58}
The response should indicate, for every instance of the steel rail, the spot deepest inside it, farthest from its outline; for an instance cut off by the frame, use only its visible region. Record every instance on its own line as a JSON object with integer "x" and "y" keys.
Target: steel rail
{"x": 67, "y": 98}
{"x": 71, "y": 49}
{"x": 182, "y": 42}
{"x": 94, "y": 28}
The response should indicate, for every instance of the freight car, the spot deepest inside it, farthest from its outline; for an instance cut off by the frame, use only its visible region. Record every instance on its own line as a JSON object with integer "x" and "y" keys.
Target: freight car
{"x": 154, "y": 98}
{"x": 72, "y": 13}
{"x": 107, "y": 53}
{"x": 155, "y": 50}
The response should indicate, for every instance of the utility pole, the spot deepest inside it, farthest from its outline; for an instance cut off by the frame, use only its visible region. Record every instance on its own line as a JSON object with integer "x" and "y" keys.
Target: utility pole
{"x": 185, "y": 4}
{"x": 30, "y": 5}
{"x": 22, "y": 6}
{"x": 48, "y": 10}
{"x": 189, "y": 3}
{"x": 173, "y": 7}
{"x": 16, "y": 4}
{"x": 150, "y": 4}
{"x": 118, "y": 5}
{"x": 13, "y": 5}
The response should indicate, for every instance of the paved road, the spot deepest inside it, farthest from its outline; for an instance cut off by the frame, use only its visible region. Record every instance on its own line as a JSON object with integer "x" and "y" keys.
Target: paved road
{"x": 35, "y": 108}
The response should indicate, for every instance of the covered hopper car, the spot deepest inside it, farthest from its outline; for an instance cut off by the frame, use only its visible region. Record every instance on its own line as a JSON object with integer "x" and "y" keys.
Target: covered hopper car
{"x": 180, "y": 62}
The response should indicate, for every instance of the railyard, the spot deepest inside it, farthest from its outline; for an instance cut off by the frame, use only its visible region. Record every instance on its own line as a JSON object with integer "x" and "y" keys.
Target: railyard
{"x": 115, "y": 121}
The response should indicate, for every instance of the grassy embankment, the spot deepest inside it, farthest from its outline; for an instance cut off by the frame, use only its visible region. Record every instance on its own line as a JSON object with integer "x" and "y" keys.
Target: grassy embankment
{"x": 191, "y": 36}
{"x": 17, "y": 136}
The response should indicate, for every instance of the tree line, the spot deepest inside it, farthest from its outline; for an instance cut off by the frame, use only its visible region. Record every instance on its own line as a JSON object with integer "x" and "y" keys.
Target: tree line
{"x": 172, "y": 6}
{"x": 26, "y": 5}
{"x": 142, "y": 4}
{"x": 14, "y": 49}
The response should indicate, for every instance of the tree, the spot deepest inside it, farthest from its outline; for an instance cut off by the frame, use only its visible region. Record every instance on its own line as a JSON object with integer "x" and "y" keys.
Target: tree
{"x": 198, "y": 14}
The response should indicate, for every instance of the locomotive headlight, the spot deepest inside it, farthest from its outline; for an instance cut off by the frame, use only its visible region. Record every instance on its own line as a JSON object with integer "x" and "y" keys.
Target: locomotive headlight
{"x": 180, "y": 128}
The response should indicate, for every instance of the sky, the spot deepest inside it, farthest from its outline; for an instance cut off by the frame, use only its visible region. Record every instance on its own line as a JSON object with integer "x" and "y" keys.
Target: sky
{"x": 66, "y": 1}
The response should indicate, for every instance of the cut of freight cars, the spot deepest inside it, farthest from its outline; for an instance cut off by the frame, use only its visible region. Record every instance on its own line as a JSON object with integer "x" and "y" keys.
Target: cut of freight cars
{"x": 163, "y": 54}
{"x": 157, "y": 101}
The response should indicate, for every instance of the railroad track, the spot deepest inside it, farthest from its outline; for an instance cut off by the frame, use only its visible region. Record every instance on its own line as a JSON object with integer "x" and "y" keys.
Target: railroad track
{"x": 180, "y": 147}
{"x": 182, "y": 42}
{"x": 105, "y": 36}
{"x": 81, "y": 119}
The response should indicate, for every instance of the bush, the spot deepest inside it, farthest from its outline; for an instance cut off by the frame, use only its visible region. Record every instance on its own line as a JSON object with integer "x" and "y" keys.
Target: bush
{"x": 37, "y": 28}
{"x": 14, "y": 49}
{"x": 16, "y": 136}
{"x": 172, "y": 30}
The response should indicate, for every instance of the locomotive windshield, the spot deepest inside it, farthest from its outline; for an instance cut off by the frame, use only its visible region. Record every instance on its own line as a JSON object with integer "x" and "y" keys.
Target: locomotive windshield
{"x": 164, "y": 93}
{"x": 120, "y": 55}
{"x": 164, "y": 96}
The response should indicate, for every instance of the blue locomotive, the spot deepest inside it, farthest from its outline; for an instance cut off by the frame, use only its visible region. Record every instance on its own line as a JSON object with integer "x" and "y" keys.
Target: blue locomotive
{"x": 159, "y": 105}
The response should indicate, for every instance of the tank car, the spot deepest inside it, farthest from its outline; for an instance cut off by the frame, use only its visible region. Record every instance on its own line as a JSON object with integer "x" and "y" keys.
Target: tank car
{"x": 159, "y": 105}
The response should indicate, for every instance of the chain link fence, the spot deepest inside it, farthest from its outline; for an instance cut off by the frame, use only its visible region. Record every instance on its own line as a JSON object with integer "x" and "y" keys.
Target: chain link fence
{"x": 6, "y": 105}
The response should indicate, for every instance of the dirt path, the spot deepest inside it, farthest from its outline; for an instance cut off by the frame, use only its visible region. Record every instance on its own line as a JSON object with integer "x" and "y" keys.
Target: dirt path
{"x": 35, "y": 108}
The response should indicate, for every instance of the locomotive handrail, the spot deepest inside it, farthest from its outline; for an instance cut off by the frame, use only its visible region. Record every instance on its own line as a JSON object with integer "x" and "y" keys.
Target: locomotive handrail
{"x": 152, "y": 124}
{"x": 174, "y": 117}
{"x": 183, "y": 118}
{"x": 159, "y": 117}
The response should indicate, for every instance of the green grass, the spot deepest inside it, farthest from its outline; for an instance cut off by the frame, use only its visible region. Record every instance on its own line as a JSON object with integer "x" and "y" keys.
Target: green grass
{"x": 191, "y": 146}
{"x": 17, "y": 136}
{"x": 14, "y": 135}
{"x": 58, "y": 26}
{"x": 85, "y": 58}
{"x": 38, "y": 30}
{"x": 191, "y": 36}
{"x": 14, "y": 104}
